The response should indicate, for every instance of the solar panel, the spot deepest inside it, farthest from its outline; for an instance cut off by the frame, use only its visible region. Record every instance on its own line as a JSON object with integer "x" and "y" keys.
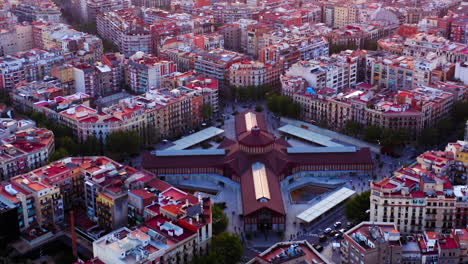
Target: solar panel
{"x": 250, "y": 121}
{"x": 193, "y": 210}
{"x": 260, "y": 181}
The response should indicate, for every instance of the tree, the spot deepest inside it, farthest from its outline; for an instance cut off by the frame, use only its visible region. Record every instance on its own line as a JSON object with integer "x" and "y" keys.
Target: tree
{"x": 445, "y": 128}
{"x": 284, "y": 106}
{"x": 227, "y": 248}
{"x": 372, "y": 133}
{"x": 206, "y": 112}
{"x": 337, "y": 48}
{"x": 58, "y": 154}
{"x": 293, "y": 109}
{"x": 91, "y": 146}
{"x": 90, "y": 27}
{"x": 391, "y": 138}
{"x": 460, "y": 111}
{"x": 353, "y": 128}
{"x": 5, "y": 97}
{"x": 108, "y": 46}
{"x": 123, "y": 142}
{"x": 356, "y": 207}
{"x": 68, "y": 144}
{"x": 273, "y": 103}
{"x": 220, "y": 220}
{"x": 429, "y": 136}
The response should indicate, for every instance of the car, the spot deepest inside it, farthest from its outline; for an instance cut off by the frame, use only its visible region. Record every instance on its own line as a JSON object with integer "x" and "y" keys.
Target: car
{"x": 333, "y": 233}
{"x": 338, "y": 235}
{"x": 327, "y": 230}
{"x": 342, "y": 230}
{"x": 337, "y": 224}
{"x": 322, "y": 238}
{"x": 349, "y": 225}
{"x": 319, "y": 248}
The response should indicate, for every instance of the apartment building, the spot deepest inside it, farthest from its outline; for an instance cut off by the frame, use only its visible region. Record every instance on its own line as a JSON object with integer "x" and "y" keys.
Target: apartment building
{"x": 208, "y": 88}
{"x": 418, "y": 200}
{"x": 27, "y": 93}
{"x": 216, "y": 63}
{"x": 371, "y": 242}
{"x": 152, "y": 3}
{"x": 461, "y": 72}
{"x": 360, "y": 35}
{"x": 298, "y": 43}
{"x": 229, "y": 12}
{"x": 419, "y": 45}
{"x": 379, "y": 242}
{"x": 253, "y": 73}
{"x": 409, "y": 110}
{"x": 31, "y": 65}
{"x": 235, "y": 34}
{"x": 85, "y": 79}
{"x": 92, "y": 8}
{"x": 459, "y": 150}
{"x": 22, "y": 199}
{"x": 33, "y": 10}
{"x": 206, "y": 42}
{"x": 144, "y": 72}
{"x": 126, "y": 30}
{"x": 165, "y": 112}
{"x": 25, "y": 149}
{"x": 289, "y": 252}
{"x": 345, "y": 14}
{"x": 459, "y": 30}
{"x": 106, "y": 189}
{"x": 115, "y": 61}
{"x": 337, "y": 72}
{"x": 394, "y": 72}
{"x": 107, "y": 201}
{"x": 47, "y": 35}
{"x": 64, "y": 73}
{"x": 95, "y": 80}
{"x": 47, "y": 198}
{"x": 18, "y": 37}
{"x": 162, "y": 237}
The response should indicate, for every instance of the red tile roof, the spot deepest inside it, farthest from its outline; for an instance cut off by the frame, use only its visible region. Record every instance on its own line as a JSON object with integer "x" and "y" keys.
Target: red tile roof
{"x": 448, "y": 243}
{"x": 249, "y": 201}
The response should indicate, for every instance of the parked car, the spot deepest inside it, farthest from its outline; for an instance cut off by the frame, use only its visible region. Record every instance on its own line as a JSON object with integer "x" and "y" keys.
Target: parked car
{"x": 342, "y": 230}
{"x": 338, "y": 235}
{"x": 337, "y": 224}
{"x": 322, "y": 238}
{"x": 327, "y": 230}
{"x": 319, "y": 248}
{"x": 333, "y": 233}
